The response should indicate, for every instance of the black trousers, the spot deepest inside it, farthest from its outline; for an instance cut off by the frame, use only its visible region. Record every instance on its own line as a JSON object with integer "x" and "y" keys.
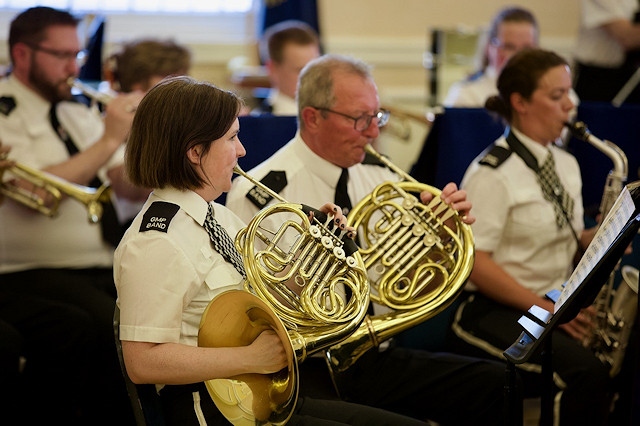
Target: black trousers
{"x": 54, "y": 339}
{"x": 486, "y": 328}
{"x": 178, "y": 405}
{"x": 442, "y": 387}
{"x": 91, "y": 294}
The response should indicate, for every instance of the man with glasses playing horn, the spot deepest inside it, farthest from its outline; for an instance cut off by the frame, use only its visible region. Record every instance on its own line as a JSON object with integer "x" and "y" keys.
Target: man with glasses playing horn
{"x": 64, "y": 259}
{"x": 338, "y": 114}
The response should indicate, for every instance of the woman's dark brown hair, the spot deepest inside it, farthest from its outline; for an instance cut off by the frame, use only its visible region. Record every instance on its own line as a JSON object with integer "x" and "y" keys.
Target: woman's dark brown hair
{"x": 174, "y": 116}
{"x": 521, "y": 74}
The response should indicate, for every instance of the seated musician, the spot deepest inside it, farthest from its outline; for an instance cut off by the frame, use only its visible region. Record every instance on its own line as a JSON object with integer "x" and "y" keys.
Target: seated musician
{"x": 526, "y": 237}
{"x": 338, "y": 114}
{"x": 178, "y": 255}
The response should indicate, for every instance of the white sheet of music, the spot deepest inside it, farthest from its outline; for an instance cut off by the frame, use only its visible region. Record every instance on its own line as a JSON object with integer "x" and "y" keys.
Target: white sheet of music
{"x": 610, "y": 228}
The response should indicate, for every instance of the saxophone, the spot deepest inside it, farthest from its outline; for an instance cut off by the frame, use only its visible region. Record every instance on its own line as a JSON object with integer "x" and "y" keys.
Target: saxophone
{"x": 321, "y": 261}
{"x": 615, "y": 307}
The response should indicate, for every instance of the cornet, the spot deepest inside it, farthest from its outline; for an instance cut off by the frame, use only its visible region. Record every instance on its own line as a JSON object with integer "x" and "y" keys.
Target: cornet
{"x": 53, "y": 189}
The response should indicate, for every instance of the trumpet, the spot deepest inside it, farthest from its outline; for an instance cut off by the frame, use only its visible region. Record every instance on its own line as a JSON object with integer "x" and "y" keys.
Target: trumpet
{"x": 53, "y": 189}
{"x": 90, "y": 92}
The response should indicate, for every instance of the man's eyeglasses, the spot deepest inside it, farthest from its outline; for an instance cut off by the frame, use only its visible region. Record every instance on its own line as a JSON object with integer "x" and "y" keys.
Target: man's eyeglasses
{"x": 364, "y": 121}
{"x": 79, "y": 56}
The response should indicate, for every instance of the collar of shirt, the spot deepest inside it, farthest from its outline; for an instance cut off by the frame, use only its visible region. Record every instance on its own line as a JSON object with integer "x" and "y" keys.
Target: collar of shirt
{"x": 282, "y": 104}
{"x": 31, "y": 107}
{"x": 327, "y": 171}
{"x": 193, "y": 204}
{"x": 539, "y": 151}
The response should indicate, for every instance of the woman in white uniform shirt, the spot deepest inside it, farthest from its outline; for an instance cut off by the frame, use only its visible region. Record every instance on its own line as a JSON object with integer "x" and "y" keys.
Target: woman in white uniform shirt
{"x": 525, "y": 240}
{"x": 184, "y": 143}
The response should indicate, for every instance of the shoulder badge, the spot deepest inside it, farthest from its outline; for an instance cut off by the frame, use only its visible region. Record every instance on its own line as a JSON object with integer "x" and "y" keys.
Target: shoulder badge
{"x": 496, "y": 156}
{"x": 372, "y": 160}
{"x": 158, "y": 216}
{"x": 7, "y": 104}
{"x": 274, "y": 180}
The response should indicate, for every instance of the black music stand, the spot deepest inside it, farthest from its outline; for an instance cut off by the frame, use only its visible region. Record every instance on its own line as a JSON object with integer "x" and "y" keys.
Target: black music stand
{"x": 601, "y": 257}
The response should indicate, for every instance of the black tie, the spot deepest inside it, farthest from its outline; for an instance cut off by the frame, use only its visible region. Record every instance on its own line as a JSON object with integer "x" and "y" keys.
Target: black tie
{"x": 112, "y": 231}
{"x": 222, "y": 242}
{"x": 342, "y": 196}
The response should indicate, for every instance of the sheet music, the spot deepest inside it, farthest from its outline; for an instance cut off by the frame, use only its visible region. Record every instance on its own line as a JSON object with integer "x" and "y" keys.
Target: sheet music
{"x": 610, "y": 228}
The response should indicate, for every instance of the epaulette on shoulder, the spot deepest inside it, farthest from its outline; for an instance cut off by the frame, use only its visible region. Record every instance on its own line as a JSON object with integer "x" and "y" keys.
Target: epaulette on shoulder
{"x": 372, "y": 160}
{"x": 276, "y": 180}
{"x": 158, "y": 216}
{"x": 495, "y": 156}
{"x": 7, "y": 104}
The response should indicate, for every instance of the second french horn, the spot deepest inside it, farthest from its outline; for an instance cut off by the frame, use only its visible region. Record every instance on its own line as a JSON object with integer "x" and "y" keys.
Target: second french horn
{"x": 417, "y": 256}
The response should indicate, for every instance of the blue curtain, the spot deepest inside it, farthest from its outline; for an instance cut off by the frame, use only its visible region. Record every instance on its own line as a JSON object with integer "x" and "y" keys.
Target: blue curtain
{"x": 92, "y": 69}
{"x": 274, "y": 11}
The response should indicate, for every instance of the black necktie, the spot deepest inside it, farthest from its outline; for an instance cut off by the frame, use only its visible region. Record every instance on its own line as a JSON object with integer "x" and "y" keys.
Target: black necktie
{"x": 222, "y": 242}
{"x": 112, "y": 231}
{"x": 342, "y": 197}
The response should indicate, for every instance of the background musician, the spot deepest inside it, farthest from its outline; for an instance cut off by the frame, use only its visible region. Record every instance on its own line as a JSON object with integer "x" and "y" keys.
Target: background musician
{"x": 512, "y": 29}
{"x": 607, "y": 51}
{"x": 526, "y": 239}
{"x": 338, "y": 114}
{"x": 285, "y": 48}
{"x": 184, "y": 143}
{"x": 64, "y": 259}
{"x": 136, "y": 67}
{"x": 41, "y": 342}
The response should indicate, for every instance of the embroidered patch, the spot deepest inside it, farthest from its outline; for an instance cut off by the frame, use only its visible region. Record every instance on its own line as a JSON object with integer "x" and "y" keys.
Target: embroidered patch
{"x": 158, "y": 216}
{"x": 7, "y": 104}
{"x": 496, "y": 156}
{"x": 274, "y": 180}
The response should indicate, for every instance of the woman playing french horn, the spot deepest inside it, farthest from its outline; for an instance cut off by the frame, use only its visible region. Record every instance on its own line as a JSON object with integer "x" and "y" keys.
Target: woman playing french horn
{"x": 184, "y": 143}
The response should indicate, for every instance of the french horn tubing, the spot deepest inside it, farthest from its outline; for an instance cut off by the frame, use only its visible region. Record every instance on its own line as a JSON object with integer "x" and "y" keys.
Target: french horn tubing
{"x": 416, "y": 261}
{"x": 45, "y": 191}
{"x": 320, "y": 261}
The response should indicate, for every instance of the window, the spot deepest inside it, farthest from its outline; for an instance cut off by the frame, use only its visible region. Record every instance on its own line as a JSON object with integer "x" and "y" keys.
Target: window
{"x": 207, "y": 22}
{"x": 157, "y": 6}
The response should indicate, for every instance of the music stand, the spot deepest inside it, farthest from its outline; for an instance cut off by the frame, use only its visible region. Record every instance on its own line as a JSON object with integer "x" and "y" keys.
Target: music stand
{"x": 599, "y": 260}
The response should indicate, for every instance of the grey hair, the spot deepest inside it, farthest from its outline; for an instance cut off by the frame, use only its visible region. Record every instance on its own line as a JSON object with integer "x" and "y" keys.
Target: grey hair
{"x": 315, "y": 84}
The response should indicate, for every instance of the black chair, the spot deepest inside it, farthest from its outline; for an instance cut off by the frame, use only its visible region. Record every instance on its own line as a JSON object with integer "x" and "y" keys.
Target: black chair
{"x": 145, "y": 401}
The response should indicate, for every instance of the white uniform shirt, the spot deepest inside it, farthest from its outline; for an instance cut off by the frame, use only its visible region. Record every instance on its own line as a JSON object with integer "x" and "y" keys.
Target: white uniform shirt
{"x": 29, "y": 239}
{"x": 282, "y": 104}
{"x": 472, "y": 93}
{"x": 594, "y": 46}
{"x": 167, "y": 275}
{"x": 517, "y": 224}
{"x": 311, "y": 180}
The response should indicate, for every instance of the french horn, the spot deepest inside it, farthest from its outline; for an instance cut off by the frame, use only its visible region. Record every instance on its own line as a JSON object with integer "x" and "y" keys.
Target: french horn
{"x": 418, "y": 258}
{"x": 47, "y": 190}
{"x": 320, "y": 261}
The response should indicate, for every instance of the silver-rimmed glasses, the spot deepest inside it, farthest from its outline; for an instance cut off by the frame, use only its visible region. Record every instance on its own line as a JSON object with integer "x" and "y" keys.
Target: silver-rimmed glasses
{"x": 79, "y": 56}
{"x": 363, "y": 122}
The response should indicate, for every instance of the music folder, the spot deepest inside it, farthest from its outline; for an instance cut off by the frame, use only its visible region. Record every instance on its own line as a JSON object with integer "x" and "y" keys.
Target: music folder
{"x": 614, "y": 235}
